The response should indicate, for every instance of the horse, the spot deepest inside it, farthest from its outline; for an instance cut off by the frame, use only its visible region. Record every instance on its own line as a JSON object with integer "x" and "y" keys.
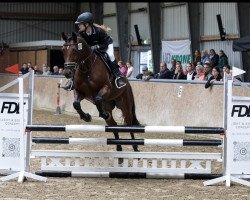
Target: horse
{"x": 93, "y": 81}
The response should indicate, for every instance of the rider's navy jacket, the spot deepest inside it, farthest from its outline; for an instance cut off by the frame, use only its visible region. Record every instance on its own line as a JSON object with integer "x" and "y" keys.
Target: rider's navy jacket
{"x": 98, "y": 37}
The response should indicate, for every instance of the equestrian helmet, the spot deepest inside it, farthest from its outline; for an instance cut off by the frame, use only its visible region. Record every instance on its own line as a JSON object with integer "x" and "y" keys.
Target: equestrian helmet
{"x": 85, "y": 17}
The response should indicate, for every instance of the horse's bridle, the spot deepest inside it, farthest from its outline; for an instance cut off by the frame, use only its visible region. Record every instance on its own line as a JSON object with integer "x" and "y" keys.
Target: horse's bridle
{"x": 76, "y": 65}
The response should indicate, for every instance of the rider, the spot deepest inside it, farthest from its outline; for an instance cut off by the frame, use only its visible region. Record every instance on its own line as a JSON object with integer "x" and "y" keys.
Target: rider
{"x": 96, "y": 36}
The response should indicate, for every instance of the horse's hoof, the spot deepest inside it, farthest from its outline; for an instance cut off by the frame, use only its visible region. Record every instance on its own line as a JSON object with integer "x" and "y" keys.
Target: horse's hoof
{"x": 87, "y": 117}
{"x": 136, "y": 150}
{"x": 105, "y": 116}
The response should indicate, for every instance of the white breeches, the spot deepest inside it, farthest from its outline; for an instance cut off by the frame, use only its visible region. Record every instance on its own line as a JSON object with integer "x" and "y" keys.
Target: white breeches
{"x": 110, "y": 52}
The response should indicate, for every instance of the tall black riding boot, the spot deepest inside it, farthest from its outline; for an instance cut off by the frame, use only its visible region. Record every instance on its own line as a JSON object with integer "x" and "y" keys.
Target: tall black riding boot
{"x": 118, "y": 76}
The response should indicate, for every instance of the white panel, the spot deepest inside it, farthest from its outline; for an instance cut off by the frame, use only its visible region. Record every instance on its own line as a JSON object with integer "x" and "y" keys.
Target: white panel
{"x": 228, "y": 12}
{"x": 175, "y": 22}
{"x": 234, "y": 58}
{"x": 135, "y": 6}
{"x": 135, "y": 62}
{"x": 142, "y": 20}
{"x": 109, "y": 8}
{"x": 112, "y": 23}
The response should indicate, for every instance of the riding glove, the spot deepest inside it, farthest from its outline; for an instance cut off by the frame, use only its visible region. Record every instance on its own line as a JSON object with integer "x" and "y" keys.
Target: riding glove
{"x": 95, "y": 47}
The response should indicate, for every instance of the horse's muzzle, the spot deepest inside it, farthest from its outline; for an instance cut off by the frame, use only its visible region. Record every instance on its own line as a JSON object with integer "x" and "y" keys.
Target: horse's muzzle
{"x": 69, "y": 69}
{"x": 68, "y": 73}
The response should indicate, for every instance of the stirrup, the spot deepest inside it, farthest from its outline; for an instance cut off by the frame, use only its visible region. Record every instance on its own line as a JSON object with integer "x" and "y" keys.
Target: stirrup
{"x": 117, "y": 84}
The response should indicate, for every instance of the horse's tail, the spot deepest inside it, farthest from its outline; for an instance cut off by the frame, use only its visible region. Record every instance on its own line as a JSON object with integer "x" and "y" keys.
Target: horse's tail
{"x": 135, "y": 120}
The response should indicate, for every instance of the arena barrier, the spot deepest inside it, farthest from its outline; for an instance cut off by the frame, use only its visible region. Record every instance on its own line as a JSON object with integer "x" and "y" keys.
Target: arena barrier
{"x": 235, "y": 155}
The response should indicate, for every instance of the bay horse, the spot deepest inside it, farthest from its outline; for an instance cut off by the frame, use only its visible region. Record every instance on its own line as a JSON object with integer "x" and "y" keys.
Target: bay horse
{"x": 93, "y": 82}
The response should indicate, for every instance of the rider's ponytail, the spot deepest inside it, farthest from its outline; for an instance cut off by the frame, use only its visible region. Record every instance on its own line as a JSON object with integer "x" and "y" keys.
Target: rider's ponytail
{"x": 103, "y": 27}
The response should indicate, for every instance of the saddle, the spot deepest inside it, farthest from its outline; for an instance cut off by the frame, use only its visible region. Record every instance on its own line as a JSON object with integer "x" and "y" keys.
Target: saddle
{"x": 105, "y": 58}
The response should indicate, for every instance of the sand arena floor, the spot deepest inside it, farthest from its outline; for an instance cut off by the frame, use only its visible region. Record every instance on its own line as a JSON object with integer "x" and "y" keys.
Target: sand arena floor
{"x": 105, "y": 188}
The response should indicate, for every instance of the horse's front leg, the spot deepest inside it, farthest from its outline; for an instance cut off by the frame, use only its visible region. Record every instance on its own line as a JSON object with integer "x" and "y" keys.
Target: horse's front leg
{"x": 100, "y": 97}
{"x": 77, "y": 106}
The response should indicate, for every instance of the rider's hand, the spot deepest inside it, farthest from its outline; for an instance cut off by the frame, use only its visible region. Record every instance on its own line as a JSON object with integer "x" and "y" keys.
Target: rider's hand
{"x": 95, "y": 47}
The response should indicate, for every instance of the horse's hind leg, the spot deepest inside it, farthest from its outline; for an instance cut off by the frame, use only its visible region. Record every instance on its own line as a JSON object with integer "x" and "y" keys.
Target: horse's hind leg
{"x": 128, "y": 119}
{"x": 111, "y": 122}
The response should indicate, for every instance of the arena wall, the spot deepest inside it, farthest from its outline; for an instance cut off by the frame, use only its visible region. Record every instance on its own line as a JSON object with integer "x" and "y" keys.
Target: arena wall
{"x": 157, "y": 103}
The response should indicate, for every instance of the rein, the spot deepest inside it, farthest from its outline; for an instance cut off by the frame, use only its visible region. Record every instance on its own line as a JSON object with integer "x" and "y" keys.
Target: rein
{"x": 77, "y": 65}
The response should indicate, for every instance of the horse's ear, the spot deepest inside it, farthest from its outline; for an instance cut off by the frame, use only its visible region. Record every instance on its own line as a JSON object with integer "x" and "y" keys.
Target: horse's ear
{"x": 64, "y": 37}
{"x": 74, "y": 36}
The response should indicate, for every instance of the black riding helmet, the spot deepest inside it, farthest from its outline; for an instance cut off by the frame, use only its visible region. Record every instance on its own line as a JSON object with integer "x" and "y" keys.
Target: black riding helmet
{"x": 85, "y": 17}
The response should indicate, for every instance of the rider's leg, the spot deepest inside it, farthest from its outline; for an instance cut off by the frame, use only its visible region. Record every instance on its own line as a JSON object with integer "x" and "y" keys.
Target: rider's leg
{"x": 115, "y": 67}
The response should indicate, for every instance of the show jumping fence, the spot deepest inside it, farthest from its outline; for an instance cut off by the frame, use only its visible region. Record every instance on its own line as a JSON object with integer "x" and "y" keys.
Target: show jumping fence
{"x": 235, "y": 155}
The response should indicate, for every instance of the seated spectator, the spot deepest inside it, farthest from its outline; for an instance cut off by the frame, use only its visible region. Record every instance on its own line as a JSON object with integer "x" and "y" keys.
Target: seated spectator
{"x": 227, "y": 70}
{"x": 46, "y": 70}
{"x": 214, "y": 58}
{"x": 204, "y": 57}
{"x": 123, "y": 68}
{"x": 190, "y": 72}
{"x": 223, "y": 60}
{"x": 216, "y": 76}
{"x": 197, "y": 57}
{"x": 179, "y": 74}
{"x": 200, "y": 75}
{"x": 145, "y": 75}
{"x": 37, "y": 70}
{"x": 60, "y": 71}
{"x": 173, "y": 62}
{"x": 24, "y": 69}
{"x": 30, "y": 66}
{"x": 207, "y": 71}
{"x": 164, "y": 73}
{"x": 130, "y": 71}
{"x": 55, "y": 70}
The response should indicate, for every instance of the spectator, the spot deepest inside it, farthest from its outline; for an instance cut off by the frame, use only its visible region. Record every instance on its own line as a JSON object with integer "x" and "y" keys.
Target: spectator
{"x": 30, "y": 65}
{"x": 164, "y": 73}
{"x": 204, "y": 57}
{"x": 24, "y": 69}
{"x": 214, "y": 58}
{"x": 190, "y": 72}
{"x": 45, "y": 70}
{"x": 227, "y": 70}
{"x": 200, "y": 75}
{"x": 207, "y": 71}
{"x": 60, "y": 71}
{"x": 123, "y": 68}
{"x": 173, "y": 62}
{"x": 216, "y": 76}
{"x": 179, "y": 74}
{"x": 197, "y": 57}
{"x": 130, "y": 72}
{"x": 55, "y": 70}
{"x": 145, "y": 75}
{"x": 223, "y": 60}
{"x": 37, "y": 70}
